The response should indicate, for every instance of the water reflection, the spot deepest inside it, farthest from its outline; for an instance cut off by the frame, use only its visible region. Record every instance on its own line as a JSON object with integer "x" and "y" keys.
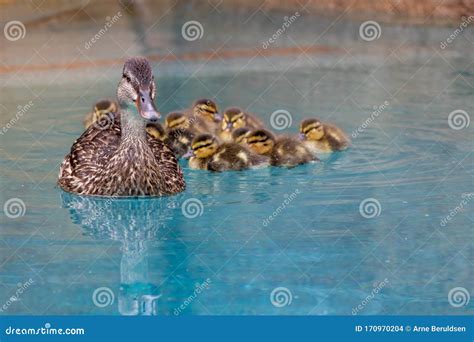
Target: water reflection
{"x": 133, "y": 222}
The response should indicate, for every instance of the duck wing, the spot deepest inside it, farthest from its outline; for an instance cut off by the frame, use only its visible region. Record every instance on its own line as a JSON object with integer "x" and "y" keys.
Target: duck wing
{"x": 289, "y": 152}
{"x": 337, "y": 139}
{"x": 170, "y": 173}
{"x": 89, "y": 153}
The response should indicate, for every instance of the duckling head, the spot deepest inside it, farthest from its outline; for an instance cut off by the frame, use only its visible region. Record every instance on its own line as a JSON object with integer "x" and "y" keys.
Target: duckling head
{"x": 207, "y": 109}
{"x": 156, "y": 130}
{"x": 103, "y": 107}
{"x": 260, "y": 141}
{"x": 311, "y": 129}
{"x": 176, "y": 120}
{"x": 180, "y": 141}
{"x": 233, "y": 118}
{"x": 136, "y": 90}
{"x": 204, "y": 146}
{"x": 240, "y": 134}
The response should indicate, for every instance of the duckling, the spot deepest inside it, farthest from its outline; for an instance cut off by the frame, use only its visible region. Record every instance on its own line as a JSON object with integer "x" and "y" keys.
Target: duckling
{"x": 156, "y": 130}
{"x": 204, "y": 116}
{"x": 234, "y": 118}
{"x": 322, "y": 137}
{"x": 206, "y": 154}
{"x": 283, "y": 151}
{"x": 122, "y": 160}
{"x": 101, "y": 108}
{"x": 203, "y": 148}
{"x": 239, "y": 135}
{"x": 177, "y": 120}
{"x": 180, "y": 141}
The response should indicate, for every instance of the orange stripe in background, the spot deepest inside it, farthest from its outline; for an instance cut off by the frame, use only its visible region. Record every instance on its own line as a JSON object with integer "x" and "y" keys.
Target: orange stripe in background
{"x": 189, "y": 56}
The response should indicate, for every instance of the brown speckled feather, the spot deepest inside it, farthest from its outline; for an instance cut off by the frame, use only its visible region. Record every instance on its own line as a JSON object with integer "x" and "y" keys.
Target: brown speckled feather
{"x": 101, "y": 164}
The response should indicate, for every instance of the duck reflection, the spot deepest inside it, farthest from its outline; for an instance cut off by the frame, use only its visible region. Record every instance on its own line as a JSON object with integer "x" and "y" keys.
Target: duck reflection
{"x": 133, "y": 222}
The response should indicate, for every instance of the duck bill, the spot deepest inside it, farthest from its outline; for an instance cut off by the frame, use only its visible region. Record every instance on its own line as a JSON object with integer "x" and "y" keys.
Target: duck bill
{"x": 188, "y": 154}
{"x": 228, "y": 128}
{"x": 146, "y": 107}
{"x": 217, "y": 117}
{"x": 302, "y": 136}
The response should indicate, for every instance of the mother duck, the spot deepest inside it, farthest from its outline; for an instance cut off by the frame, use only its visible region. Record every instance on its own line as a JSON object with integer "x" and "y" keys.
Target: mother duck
{"x": 120, "y": 159}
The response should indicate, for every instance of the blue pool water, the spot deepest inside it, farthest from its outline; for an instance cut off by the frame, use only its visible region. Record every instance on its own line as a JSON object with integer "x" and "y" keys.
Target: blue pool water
{"x": 213, "y": 249}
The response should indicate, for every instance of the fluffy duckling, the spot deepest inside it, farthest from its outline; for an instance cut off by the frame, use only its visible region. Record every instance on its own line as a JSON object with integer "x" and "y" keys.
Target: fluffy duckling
{"x": 177, "y": 120}
{"x": 156, "y": 130}
{"x": 180, "y": 141}
{"x": 122, "y": 160}
{"x": 207, "y": 154}
{"x": 239, "y": 135}
{"x": 283, "y": 151}
{"x": 100, "y": 110}
{"x": 322, "y": 137}
{"x": 180, "y": 132}
{"x": 234, "y": 118}
{"x": 204, "y": 116}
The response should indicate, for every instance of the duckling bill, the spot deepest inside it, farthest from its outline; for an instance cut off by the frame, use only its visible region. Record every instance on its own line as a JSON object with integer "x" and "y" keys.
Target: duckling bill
{"x": 122, "y": 159}
{"x": 235, "y": 118}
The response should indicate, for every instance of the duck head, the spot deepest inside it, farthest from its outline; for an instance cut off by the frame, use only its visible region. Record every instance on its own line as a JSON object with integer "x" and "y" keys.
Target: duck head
{"x": 312, "y": 130}
{"x": 240, "y": 134}
{"x": 233, "y": 118}
{"x": 202, "y": 147}
{"x": 206, "y": 109}
{"x": 260, "y": 141}
{"x": 156, "y": 130}
{"x": 136, "y": 90}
